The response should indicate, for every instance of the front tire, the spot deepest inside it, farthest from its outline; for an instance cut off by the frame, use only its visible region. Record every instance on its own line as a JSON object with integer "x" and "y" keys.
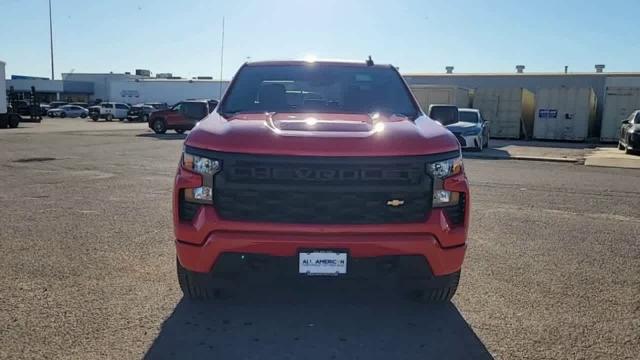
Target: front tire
{"x": 159, "y": 127}
{"x": 63, "y": 115}
{"x": 109, "y": 117}
{"x": 180, "y": 131}
{"x": 14, "y": 121}
{"x": 84, "y": 116}
{"x": 197, "y": 286}
{"x": 442, "y": 289}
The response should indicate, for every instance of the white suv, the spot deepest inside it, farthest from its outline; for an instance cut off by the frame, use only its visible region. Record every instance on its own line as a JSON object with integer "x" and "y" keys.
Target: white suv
{"x": 109, "y": 111}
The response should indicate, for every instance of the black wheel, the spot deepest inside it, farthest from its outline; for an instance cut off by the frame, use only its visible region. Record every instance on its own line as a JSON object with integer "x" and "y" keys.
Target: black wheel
{"x": 441, "y": 289}
{"x": 180, "y": 131}
{"x": 83, "y": 115}
{"x": 95, "y": 118}
{"x": 63, "y": 115}
{"x": 627, "y": 150}
{"x": 109, "y": 117}
{"x": 14, "y": 121}
{"x": 198, "y": 286}
{"x": 159, "y": 127}
{"x": 620, "y": 146}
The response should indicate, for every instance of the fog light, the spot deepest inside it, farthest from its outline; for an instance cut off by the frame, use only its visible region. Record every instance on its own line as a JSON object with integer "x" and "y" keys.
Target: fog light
{"x": 445, "y": 198}
{"x": 203, "y": 194}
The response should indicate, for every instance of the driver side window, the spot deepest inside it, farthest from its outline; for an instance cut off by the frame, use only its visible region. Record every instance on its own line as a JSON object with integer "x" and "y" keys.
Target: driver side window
{"x": 177, "y": 107}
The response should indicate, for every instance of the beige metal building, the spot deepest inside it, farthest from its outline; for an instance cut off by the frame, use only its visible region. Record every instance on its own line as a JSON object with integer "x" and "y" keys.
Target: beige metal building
{"x": 622, "y": 97}
{"x": 565, "y": 114}
{"x": 510, "y": 111}
{"x": 443, "y": 95}
{"x": 607, "y": 120}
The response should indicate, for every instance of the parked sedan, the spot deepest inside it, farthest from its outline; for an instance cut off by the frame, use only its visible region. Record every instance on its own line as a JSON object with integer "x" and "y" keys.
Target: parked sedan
{"x": 68, "y": 110}
{"x": 630, "y": 133}
{"x": 472, "y": 130}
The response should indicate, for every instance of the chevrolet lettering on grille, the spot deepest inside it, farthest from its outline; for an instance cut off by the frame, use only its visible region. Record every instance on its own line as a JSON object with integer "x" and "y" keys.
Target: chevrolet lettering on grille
{"x": 326, "y": 174}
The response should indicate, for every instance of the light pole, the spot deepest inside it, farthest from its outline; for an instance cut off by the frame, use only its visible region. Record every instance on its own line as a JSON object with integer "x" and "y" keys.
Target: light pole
{"x": 51, "y": 40}
{"x": 221, "y": 60}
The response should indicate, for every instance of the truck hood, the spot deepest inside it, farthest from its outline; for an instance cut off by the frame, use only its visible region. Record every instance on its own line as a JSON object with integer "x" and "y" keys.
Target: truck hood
{"x": 322, "y": 135}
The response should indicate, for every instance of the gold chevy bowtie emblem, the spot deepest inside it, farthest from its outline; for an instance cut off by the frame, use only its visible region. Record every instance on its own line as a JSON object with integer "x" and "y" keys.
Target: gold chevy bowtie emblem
{"x": 395, "y": 202}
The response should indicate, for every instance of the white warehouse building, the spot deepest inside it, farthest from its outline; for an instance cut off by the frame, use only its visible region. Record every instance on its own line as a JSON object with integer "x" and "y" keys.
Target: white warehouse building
{"x": 134, "y": 89}
{"x": 169, "y": 91}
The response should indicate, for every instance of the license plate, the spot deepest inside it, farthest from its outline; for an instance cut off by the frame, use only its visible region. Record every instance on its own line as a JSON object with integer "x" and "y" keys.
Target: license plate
{"x": 322, "y": 263}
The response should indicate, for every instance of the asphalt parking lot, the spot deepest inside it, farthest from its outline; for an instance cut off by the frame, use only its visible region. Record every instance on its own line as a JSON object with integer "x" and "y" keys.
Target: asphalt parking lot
{"x": 552, "y": 270}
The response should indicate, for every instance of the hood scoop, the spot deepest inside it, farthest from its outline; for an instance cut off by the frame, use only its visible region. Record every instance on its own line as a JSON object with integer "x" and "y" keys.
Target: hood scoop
{"x": 296, "y": 126}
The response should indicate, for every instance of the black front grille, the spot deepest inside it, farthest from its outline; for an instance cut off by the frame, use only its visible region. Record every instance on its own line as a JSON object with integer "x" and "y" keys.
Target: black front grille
{"x": 322, "y": 190}
{"x": 322, "y": 207}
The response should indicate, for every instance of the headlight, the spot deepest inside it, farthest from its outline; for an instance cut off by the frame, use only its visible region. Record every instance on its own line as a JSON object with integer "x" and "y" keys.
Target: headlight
{"x": 200, "y": 165}
{"x": 444, "y": 169}
{"x": 440, "y": 171}
{"x": 203, "y": 166}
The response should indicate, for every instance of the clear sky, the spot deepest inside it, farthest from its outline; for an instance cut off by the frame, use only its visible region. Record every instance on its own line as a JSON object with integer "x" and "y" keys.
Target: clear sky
{"x": 184, "y": 37}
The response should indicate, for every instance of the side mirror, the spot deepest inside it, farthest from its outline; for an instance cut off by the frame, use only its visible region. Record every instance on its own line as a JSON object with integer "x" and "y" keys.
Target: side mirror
{"x": 625, "y": 121}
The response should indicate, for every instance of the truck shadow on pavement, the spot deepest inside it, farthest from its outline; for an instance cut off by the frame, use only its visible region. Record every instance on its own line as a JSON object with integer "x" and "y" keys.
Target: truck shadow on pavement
{"x": 321, "y": 321}
{"x": 163, "y": 136}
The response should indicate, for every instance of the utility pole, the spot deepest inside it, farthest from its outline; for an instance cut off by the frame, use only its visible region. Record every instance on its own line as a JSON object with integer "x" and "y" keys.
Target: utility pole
{"x": 51, "y": 40}
{"x": 221, "y": 59}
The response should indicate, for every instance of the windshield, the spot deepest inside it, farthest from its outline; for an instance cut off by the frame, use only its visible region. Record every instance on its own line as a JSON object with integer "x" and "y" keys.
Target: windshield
{"x": 319, "y": 88}
{"x": 468, "y": 116}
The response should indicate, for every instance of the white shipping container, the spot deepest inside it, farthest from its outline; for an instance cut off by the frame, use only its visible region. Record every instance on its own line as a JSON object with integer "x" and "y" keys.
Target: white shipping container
{"x": 565, "y": 114}
{"x": 427, "y": 95}
{"x": 509, "y": 111}
{"x": 619, "y": 103}
{"x": 3, "y": 89}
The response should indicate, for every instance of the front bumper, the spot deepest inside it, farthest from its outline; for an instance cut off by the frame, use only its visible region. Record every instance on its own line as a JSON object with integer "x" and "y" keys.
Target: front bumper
{"x": 203, "y": 239}
{"x": 469, "y": 142}
{"x": 633, "y": 141}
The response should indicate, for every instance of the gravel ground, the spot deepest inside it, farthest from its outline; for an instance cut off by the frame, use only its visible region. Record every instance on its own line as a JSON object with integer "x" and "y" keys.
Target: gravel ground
{"x": 89, "y": 266}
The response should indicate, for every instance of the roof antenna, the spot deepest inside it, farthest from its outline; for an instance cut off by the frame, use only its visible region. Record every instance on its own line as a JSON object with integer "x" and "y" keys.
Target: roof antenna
{"x": 369, "y": 61}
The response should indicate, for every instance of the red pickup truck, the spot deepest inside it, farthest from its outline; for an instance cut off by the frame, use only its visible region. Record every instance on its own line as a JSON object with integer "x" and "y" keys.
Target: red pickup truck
{"x": 181, "y": 117}
{"x": 320, "y": 169}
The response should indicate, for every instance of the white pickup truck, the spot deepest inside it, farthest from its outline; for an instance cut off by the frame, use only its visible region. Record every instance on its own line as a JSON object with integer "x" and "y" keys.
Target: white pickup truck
{"x": 109, "y": 111}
